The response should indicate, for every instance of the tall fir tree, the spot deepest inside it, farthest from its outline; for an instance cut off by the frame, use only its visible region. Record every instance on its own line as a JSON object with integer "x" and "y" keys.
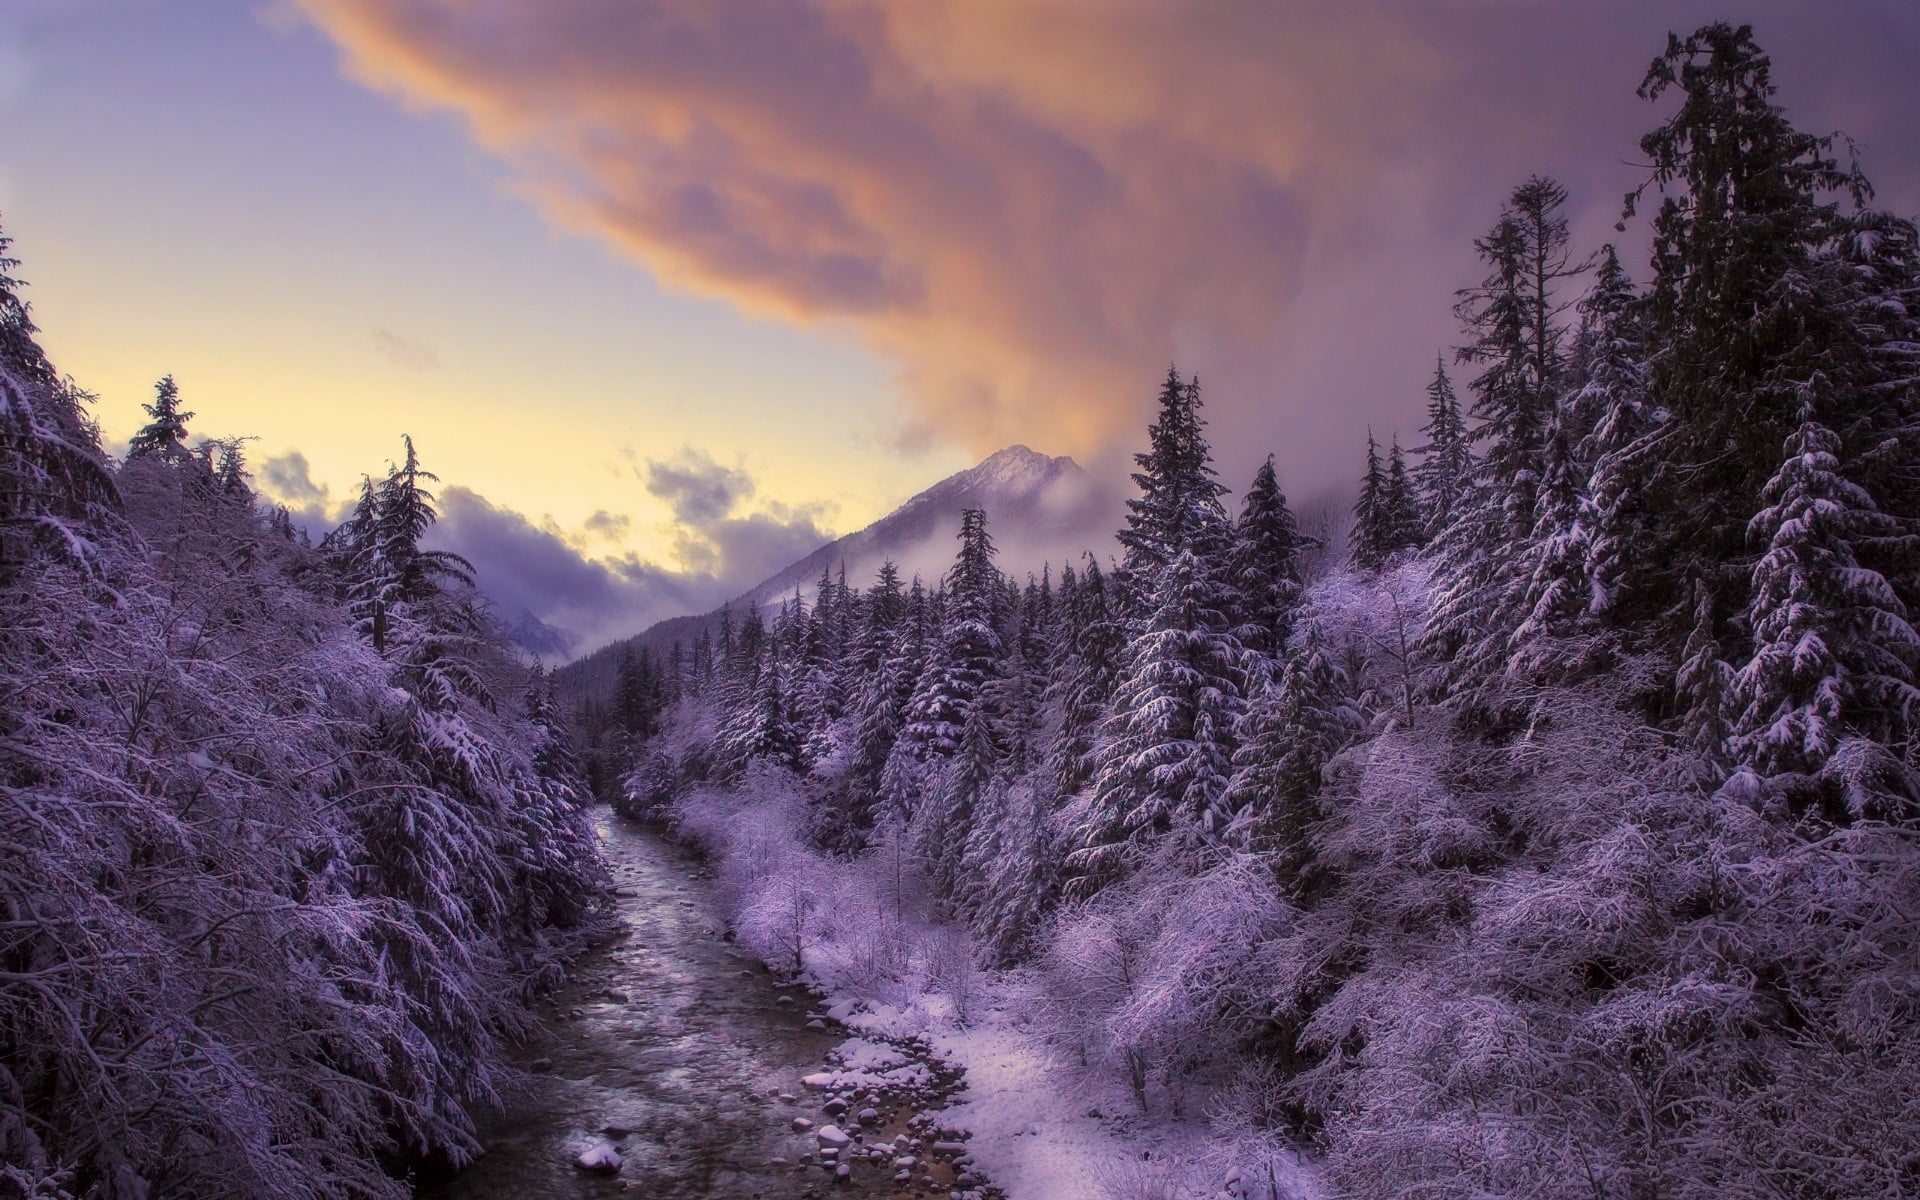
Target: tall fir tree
{"x": 1169, "y": 741}
{"x": 1833, "y": 653}
{"x": 1370, "y": 549}
{"x": 965, "y": 659}
{"x": 1264, "y": 566}
{"x": 1178, "y": 508}
{"x": 164, "y": 436}
{"x": 1751, "y": 327}
{"x": 1513, "y": 318}
{"x": 1444, "y": 476}
{"x": 1085, "y": 674}
{"x": 1401, "y": 525}
{"x": 1613, "y": 402}
{"x": 1286, "y": 739}
{"x": 56, "y": 491}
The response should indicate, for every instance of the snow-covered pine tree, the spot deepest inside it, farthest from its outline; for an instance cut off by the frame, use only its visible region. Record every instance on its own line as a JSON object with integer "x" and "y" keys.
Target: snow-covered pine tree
{"x": 1286, "y": 739}
{"x": 1612, "y": 400}
{"x": 943, "y": 824}
{"x": 1833, "y": 653}
{"x": 164, "y": 435}
{"x": 1749, "y": 307}
{"x": 1444, "y": 476}
{"x": 770, "y": 732}
{"x": 1370, "y": 512}
{"x": 1178, "y": 507}
{"x": 818, "y": 702}
{"x": 1264, "y": 567}
{"x": 1703, "y": 685}
{"x": 1168, "y": 744}
{"x": 1513, "y": 317}
{"x": 967, "y": 656}
{"x": 56, "y": 492}
{"x": 1084, "y": 679}
{"x": 230, "y": 469}
{"x": 1556, "y": 568}
{"x": 879, "y": 778}
{"x": 1401, "y": 524}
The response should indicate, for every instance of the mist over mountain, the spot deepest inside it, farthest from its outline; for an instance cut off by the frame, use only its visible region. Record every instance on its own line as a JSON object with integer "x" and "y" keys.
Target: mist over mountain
{"x": 1040, "y": 509}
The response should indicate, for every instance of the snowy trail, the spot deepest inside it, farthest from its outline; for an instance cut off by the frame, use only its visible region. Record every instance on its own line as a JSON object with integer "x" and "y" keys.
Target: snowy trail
{"x": 667, "y": 1033}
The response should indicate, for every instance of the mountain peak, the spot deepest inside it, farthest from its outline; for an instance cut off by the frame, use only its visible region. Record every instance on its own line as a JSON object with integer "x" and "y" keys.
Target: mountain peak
{"x": 1017, "y": 468}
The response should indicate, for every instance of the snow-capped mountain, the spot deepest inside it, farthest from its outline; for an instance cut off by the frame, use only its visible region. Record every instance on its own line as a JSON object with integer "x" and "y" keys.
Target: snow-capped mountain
{"x": 1038, "y": 508}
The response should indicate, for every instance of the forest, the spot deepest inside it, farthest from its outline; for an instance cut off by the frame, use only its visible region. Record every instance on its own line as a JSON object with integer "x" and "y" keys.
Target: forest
{"x": 1554, "y": 831}
{"x": 291, "y": 835}
{"x": 1551, "y": 831}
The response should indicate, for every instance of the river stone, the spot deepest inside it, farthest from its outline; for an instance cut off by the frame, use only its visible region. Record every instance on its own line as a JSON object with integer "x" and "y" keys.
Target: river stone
{"x": 869, "y": 1114}
{"x": 783, "y": 1000}
{"x": 803, "y": 1124}
{"x": 831, "y": 1135}
{"x": 835, "y": 1106}
{"x": 843, "y": 1171}
{"x": 816, "y": 1024}
{"x": 599, "y": 1159}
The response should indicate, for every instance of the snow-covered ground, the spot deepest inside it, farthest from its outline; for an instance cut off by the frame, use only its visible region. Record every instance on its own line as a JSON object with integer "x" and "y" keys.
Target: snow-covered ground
{"x": 1041, "y": 1125}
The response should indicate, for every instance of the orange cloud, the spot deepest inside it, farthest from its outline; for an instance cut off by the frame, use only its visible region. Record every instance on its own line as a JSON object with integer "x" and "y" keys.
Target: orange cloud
{"x": 1032, "y": 205}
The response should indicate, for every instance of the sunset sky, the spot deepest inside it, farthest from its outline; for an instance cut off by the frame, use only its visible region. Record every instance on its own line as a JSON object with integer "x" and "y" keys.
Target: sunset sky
{"x": 667, "y": 291}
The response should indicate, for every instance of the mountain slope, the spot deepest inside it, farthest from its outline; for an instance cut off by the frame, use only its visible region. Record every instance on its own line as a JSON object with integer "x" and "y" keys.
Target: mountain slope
{"x": 1038, "y": 508}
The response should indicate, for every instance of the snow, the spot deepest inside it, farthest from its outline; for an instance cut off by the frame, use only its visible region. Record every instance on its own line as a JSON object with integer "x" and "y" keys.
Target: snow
{"x": 1031, "y": 1135}
{"x": 1038, "y": 1125}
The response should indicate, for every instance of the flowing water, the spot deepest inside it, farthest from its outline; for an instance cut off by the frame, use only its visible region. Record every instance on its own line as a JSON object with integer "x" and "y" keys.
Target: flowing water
{"x": 672, "y": 1036}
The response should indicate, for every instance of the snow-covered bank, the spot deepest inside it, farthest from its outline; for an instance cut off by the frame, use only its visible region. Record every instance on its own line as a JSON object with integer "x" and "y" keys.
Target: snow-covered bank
{"x": 1048, "y": 1120}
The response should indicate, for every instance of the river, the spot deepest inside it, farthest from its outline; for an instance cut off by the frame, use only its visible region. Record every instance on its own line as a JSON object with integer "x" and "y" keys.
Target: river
{"x": 679, "y": 1052}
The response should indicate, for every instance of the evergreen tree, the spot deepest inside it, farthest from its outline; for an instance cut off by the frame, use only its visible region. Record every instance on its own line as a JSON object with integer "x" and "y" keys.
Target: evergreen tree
{"x": 1481, "y": 585}
{"x": 945, "y": 823}
{"x": 164, "y": 436}
{"x": 56, "y": 492}
{"x": 1519, "y": 344}
{"x": 1445, "y": 474}
{"x": 968, "y": 655}
{"x": 1750, "y": 321}
{"x": 1169, "y": 742}
{"x": 1085, "y": 681}
{"x": 1370, "y": 513}
{"x": 1704, "y": 683}
{"x": 1833, "y": 652}
{"x": 770, "y": 732}
{"x": 1264, "y": 566}
{"x": 1401, "y": 526}
{"x": 1556, "y": 567}
{"x": 20, "y": 352}
{"x": 1287, "y": 737}
{"x": 230, "y": 472}
{"x": 1612, "y": 401}
{"x": 1178, "y": 508}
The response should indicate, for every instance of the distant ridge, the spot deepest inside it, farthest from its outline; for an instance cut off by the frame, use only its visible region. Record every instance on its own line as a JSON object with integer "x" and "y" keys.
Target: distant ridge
{"x": 1029, "y": 498}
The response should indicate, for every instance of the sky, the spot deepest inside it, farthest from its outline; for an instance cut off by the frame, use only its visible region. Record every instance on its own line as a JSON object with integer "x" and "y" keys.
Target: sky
{"x": 667, "y": 291}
